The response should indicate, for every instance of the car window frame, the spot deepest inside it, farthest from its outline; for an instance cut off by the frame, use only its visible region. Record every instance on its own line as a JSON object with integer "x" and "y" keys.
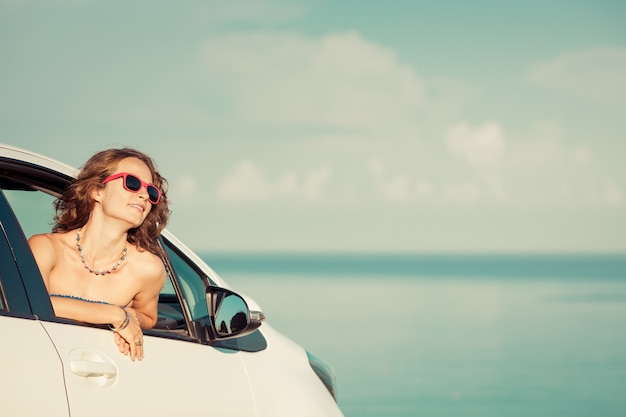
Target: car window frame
{"x": 196, "y": 327}
{"x": 27, "y": 294}
{"x": 22, "y": 296}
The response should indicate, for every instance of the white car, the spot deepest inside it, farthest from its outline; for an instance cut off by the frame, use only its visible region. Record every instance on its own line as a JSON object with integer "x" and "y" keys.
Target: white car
{"x": 192, "y": 367}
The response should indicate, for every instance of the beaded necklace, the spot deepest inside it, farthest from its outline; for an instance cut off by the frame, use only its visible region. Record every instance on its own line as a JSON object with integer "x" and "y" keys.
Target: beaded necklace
{"x": 96, "y": 271}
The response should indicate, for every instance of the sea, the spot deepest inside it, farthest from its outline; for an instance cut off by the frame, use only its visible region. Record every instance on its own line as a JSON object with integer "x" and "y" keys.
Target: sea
{"x": 452, "y": 335}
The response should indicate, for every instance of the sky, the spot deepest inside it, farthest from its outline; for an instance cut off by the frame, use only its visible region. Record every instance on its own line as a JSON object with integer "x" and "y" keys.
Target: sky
{"x": 340, "y": 126}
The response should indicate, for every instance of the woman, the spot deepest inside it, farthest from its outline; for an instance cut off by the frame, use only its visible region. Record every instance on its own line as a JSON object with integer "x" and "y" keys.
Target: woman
{"x": 101, "y": 264}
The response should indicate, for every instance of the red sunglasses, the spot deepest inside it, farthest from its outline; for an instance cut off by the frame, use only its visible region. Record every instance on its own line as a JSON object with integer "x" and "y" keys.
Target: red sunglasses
{"x": 133, "y": 184}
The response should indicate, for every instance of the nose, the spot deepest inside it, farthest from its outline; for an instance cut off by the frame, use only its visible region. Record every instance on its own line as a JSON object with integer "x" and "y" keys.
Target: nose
{"x": 143, "y": 192}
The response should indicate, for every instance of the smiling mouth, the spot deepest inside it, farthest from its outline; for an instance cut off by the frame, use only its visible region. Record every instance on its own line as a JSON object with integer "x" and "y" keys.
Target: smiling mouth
{"x": 138, "y": 206}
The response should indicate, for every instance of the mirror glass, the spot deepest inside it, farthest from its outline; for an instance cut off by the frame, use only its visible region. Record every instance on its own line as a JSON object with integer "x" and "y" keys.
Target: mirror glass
{"x": 231, "y": 314}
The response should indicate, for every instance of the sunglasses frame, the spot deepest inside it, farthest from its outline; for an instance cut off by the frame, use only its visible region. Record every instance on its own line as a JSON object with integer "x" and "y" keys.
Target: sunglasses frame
{"x": 144, "y": 184}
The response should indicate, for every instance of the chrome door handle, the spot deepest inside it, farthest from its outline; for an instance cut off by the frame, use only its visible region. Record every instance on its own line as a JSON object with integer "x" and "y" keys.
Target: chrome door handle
{"x": 87, "y": 368}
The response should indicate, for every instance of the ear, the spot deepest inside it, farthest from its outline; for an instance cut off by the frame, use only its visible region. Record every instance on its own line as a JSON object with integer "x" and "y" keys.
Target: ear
{"x": 96, "y": 194}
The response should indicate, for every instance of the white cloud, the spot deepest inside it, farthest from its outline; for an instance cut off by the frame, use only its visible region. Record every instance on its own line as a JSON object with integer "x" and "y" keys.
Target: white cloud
{"x": 393, "y": 187}
{"x": 582, "y": 155}
{"x": 596, "y": 73}
{"x": 424, "y": 189}
{"x": 481, "y": 146}
{"x": 362, "y": 101}
{"x": 534, "y": 169}
{"x": 248, "y": 183}
{"x": 338, "y": 80}
{"x": 186, "y": 185}
{"x": 613, "y": 194}
{"x": 245, "y": 184}
{"x": 376, "y": 167}
{"x": 287, "y": 184}
{"x": 397, "y": 189}
{"x": 466, "y": 193}
{"x": 315, "y": 182}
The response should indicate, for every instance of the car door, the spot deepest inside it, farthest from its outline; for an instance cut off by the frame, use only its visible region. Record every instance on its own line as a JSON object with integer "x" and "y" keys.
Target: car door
{"x": 32, "y": 375}
{"x": 180, "y": 374}
{"x": 176, "y": 377}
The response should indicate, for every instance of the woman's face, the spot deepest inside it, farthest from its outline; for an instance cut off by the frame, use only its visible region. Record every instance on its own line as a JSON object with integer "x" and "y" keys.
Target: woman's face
{"x": 133, "y": 206}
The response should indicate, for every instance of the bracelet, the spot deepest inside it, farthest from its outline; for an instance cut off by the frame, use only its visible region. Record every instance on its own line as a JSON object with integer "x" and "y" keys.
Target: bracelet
{"x": 124, "y": 322}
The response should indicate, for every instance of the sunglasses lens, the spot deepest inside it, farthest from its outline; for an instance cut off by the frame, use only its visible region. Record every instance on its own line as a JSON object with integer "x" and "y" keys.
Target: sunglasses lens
{"x": 133, "y": 183}
{"x": 153, "y": 194}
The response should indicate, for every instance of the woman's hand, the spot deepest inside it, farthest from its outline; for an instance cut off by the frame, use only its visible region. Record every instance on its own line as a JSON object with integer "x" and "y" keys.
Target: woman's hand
{"x": 121, "y": 343}
{"x": 130, "y": 339}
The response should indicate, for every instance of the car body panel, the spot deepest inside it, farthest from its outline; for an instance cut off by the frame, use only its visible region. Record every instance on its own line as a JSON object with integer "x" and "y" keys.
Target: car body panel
{"x": 179, "y": 375}
{"x": 32, "y": 373}
{"x": 296, "y": 383}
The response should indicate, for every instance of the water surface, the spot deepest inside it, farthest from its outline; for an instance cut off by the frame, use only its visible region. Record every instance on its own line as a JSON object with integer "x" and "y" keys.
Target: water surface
{"x": 445, "y": 336}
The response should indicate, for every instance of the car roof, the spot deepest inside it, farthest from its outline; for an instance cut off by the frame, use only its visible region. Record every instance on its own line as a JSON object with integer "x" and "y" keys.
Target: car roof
{"x": 19, "y": 154}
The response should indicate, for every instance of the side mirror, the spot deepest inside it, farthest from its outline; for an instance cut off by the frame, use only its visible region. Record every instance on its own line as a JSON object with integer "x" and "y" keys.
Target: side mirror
{"x": 229, "y": 315}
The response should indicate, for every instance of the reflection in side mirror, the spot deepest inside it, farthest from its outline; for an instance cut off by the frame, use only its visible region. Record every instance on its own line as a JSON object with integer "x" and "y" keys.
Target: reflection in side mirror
{"x": 229, "y": 314}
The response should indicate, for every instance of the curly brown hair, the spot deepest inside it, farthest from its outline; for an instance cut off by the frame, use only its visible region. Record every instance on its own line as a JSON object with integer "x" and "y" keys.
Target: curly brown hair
{"x": 74, "y": 207}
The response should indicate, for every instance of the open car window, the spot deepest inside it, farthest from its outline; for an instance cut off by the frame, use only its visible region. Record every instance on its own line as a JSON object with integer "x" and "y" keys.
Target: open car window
{"x": 34, "y": 210}
{"x": 191, "y": 282}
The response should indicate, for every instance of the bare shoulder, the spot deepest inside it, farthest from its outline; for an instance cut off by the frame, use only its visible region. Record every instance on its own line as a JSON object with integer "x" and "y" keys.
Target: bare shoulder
{"x": 152, "y": 267}
{"x": 48, "y": 241}
{"x": 42, "y": 240}
{"x": 45, "y": 245}
{"x": 46, "y": 248}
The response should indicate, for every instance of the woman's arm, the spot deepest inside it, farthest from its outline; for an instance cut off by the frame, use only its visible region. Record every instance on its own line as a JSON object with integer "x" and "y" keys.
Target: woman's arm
{"x": 146, "y": 301}
{"x": 44, "y": 251}
{"x": 128, "y": 334}
{"x": 88, "y": 311}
